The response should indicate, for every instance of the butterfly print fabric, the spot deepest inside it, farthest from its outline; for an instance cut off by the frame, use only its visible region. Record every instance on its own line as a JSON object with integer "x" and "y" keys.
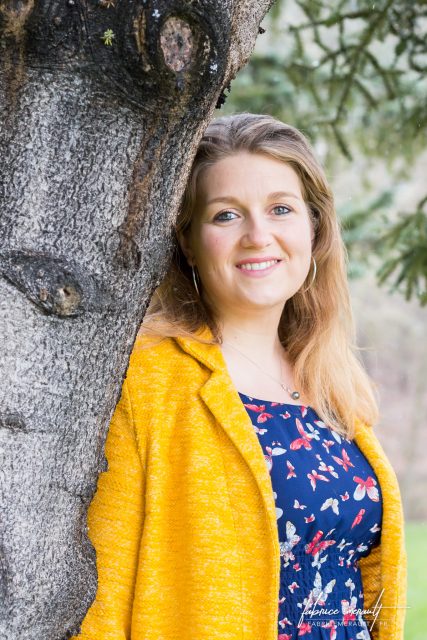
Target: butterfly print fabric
{"x": 328, "y": 507}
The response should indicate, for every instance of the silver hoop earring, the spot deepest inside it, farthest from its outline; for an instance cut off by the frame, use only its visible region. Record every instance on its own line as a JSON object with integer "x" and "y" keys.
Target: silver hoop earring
{"x": 313, "y": 277}
{"x": 194, "y": 274}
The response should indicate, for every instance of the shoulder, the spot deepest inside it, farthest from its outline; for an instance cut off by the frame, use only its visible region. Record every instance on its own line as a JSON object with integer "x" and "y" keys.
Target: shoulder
{"x": 156, "y": 364}
{"x": 153, "y": 351}
{"x": 163, "y": 383}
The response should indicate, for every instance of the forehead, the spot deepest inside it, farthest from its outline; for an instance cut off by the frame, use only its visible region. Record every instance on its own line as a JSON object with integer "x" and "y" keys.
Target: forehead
{"x": 247, "y": 174}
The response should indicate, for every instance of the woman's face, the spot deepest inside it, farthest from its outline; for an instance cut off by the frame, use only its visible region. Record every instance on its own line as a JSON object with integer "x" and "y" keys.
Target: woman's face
{"x": 251, "y": 234}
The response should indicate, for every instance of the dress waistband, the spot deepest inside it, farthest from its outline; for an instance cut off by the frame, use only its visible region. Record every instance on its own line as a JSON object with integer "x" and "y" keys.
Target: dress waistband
{"x": 320, "y": 587}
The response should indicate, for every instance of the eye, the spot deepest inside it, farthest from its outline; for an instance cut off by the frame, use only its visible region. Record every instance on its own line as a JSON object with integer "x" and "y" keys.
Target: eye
{"x": 225, "y": 216}
{"x": 281, "y": 210}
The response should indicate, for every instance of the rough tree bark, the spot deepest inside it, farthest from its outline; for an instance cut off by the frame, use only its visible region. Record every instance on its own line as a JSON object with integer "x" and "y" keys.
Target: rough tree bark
{"x": 101, "y": 108}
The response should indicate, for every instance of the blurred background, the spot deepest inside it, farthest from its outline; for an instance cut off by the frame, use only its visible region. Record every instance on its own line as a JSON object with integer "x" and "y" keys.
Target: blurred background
{"x": 352, "y": 76}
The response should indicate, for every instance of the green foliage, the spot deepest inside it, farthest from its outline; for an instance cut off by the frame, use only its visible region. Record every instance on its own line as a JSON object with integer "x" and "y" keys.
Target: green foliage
{"x": 399, "y": 246}
{"x": 362, "y": 228}
{"x": 352, "y": 74}
{"x": 415, "y": 533}
{"x": 405, "y": 247}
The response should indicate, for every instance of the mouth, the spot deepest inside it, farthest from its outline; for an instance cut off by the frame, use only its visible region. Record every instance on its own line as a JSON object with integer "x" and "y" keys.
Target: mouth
{"x": 258, "y": 265}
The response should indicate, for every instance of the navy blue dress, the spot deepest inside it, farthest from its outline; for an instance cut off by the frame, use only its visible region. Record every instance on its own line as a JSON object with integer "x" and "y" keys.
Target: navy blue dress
{"x": 328, "y": 506}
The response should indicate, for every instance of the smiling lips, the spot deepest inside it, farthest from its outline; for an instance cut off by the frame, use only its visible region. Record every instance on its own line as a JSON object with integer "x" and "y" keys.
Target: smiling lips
{"x": 254, "y": 264}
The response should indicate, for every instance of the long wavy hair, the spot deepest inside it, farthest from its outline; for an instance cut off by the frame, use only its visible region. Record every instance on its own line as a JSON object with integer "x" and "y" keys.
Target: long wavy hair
{"x": 316, "y": 328}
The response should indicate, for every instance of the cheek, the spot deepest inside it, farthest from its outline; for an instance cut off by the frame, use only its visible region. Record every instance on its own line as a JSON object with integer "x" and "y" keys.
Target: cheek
{"x": 301, "y": 239}
{"x": 212, "y": 248}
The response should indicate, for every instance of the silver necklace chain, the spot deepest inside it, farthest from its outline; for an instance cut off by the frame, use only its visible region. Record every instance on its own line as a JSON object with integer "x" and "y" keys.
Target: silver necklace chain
{"x": 295, "y": 395}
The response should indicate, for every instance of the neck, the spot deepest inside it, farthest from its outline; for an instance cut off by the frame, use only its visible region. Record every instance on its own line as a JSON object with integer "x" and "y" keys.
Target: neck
{"x": 256, "y": 338}
{"x": 256, "y": 360}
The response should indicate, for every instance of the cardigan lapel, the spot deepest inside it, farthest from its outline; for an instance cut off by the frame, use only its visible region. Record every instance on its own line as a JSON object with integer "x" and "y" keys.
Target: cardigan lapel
{"x": 222, "y": 399}
{"x": 392, "y": 530}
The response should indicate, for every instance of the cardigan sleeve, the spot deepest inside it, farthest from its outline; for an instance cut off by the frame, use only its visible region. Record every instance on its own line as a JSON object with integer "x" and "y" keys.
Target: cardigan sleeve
{"x": 115, "y": 521}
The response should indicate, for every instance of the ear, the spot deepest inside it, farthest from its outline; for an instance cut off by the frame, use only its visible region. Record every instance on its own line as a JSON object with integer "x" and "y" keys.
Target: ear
{"x": 313, "y": 235}
{"x": 312, "y": 231}
{"x": 313, "y": 217}
{"x": 185, "y": 244}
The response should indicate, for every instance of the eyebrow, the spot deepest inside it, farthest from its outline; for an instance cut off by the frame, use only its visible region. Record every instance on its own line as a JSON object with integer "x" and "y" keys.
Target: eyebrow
{"x": 271, "y": 196}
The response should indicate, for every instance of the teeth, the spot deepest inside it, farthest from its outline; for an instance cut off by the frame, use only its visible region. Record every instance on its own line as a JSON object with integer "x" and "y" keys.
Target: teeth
{"x": 257, "y": 266}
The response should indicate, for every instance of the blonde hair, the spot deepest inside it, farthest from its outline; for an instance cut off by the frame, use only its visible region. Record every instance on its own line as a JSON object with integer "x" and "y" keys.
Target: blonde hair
{"x": 316, "y": 327}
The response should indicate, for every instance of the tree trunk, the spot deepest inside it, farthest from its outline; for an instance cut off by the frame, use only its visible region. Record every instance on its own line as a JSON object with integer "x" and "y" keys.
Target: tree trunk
{"x": 102, "y": 105}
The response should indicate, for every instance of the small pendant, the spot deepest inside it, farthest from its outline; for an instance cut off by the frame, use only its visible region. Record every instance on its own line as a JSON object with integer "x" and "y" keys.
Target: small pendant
{"x": 295, "y": 395}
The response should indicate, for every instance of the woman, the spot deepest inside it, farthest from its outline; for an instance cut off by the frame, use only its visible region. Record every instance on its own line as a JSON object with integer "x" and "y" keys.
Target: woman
{"x": 247, "y": 496}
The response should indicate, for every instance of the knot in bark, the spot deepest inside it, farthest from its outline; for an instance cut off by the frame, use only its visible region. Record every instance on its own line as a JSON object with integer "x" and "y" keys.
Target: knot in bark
{"x": 177, "y": 44}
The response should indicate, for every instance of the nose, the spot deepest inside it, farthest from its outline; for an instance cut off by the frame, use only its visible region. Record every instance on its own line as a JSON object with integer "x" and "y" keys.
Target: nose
{"x": 257, "y": 233}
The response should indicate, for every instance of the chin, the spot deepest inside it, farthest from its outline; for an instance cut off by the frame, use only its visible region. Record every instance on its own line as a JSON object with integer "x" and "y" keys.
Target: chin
{"x": 264, "y": 303}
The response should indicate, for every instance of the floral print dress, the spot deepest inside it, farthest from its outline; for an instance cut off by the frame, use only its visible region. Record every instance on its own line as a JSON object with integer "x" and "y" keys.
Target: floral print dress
{"x": 328, "y": 506}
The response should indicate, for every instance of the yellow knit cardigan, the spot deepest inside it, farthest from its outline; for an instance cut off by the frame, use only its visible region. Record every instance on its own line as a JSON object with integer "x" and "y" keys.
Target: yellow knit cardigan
{"x": 184, "y": 523}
